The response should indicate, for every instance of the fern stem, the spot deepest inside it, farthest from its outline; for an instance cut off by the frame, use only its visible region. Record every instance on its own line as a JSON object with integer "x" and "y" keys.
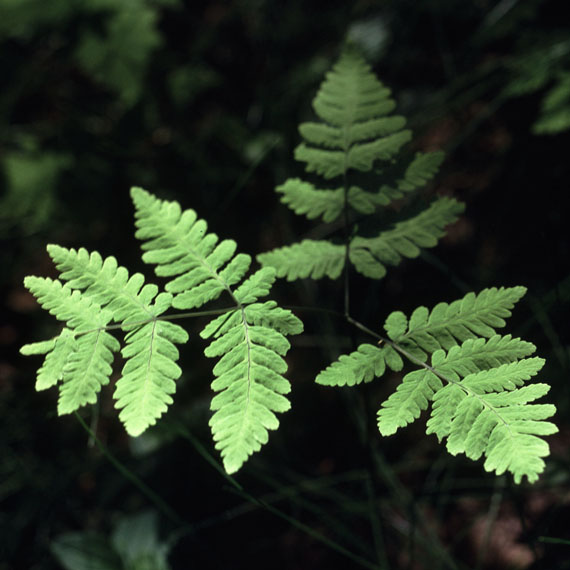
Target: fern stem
{"x": 443, "y": 377}
{"x": 187, "y": 315}
{"x": 160, "y": 504}
{"x": 239, "y": 490}
{"x": 496, "y": 500}
{"x": 346, "y": 248}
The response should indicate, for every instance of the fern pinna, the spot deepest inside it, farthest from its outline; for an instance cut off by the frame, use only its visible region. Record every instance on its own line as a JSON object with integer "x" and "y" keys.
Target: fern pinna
{"x": 472, "y": 377}
{"x": 93, "y": 293}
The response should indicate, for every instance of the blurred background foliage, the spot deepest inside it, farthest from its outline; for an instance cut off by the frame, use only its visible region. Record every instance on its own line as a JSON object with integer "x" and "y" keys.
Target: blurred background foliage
{"x": 199, "y": 101}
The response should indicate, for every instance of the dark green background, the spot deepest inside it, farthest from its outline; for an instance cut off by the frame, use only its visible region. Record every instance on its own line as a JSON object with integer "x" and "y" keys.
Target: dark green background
{"x": 200, "y": 102}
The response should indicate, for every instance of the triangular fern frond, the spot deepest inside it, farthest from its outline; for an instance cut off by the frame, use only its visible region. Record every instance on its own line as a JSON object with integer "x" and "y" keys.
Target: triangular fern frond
{"x": 353, "y": 104}
{"x": 250, "y": 339}
{"x": 371, "y": 255}
{"x": 355, "y": 135}
{"x": 474, "y": 380}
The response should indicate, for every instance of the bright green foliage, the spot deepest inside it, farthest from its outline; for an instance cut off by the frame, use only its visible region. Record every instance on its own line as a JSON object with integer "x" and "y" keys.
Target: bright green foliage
{"x": 250, "y": 339}
{"x": 362, "y": 365}
{"x": 355, "y": 134}
{"x": 81, "y": 362}
{"x": 471, "y": 317}
{"x": 251, "y": 387}
{"x": 474, "y": 380}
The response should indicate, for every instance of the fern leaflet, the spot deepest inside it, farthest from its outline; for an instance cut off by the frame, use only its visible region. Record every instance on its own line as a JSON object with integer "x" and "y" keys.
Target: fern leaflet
{"x": 371, "y": 255}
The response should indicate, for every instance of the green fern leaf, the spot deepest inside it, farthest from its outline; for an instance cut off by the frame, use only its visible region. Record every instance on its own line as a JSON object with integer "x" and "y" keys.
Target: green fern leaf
{"x": 353, "y": 104}
{"x": 421, "y": 170}
{"x": 411, "y": 397}
{"x": 479, "y": 401}
{"x": 475, "y": 381}
{"x": 249, "y": 339}
{"x": 502, "y": 425}
{"x": 177, "y": 243}
{"x": 355, "y": 132}
{"x": 144, "y": 390}
{"x": 82, "y": 361}
{"x": 143, "y": 393}
{"x": 309, "y": 258}
{"x": 448, "y": 324}
{"x": 370, "y": 255}
{"x": 362, "y": 365}
{"x": 57, "y": 353}
{"x": 504, "y": 377}
{"x": 303, "y": 198}
{"x": 251, "y": 389}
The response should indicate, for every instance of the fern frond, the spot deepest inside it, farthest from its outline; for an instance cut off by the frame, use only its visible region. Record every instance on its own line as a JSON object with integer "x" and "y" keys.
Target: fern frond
{"x": 353, "y": 105}
{"x": 476, "y": 388}
{"x": 355, "y": 132}
{"x": 484, "y": 414}
{"x": 144, "y": 390}
{"x": 251, "y": 389}
{"x": 371, "y": 255}
{"x": 250, "y": 383}
{"x": 177, "y": 243}
{"x": 474, "y": 381}
{"x": 309, "y": 258}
